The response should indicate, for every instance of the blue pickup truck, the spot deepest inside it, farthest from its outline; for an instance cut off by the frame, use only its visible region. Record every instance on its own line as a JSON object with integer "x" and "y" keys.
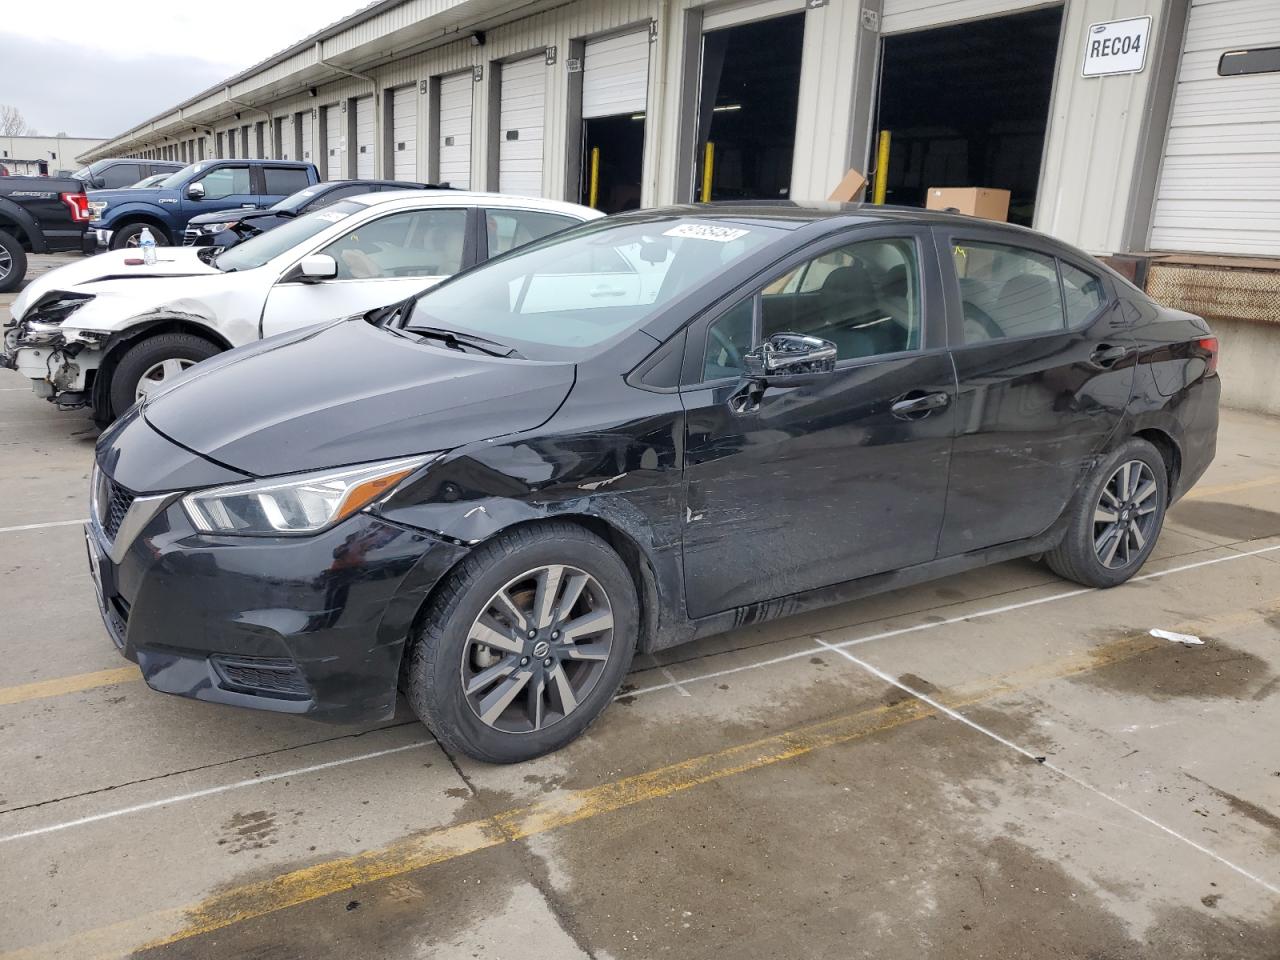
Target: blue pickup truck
{"x": 119, "y": 216}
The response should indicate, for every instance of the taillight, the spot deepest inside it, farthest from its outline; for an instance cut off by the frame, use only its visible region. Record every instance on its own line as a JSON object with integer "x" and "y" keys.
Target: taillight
{"x": 78, "y": 204}
{"x": 1210, "y": 346}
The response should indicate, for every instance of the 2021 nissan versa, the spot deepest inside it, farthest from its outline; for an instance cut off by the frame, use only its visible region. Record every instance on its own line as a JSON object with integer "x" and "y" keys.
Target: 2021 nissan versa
{"x": 643, "y": 430}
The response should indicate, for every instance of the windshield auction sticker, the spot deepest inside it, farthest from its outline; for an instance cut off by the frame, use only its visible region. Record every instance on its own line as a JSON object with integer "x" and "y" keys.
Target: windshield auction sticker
{"x": 705, "y": 231}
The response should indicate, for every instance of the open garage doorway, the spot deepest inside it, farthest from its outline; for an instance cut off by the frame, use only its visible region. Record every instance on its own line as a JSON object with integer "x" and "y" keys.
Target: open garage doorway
{"x": 748, "y": 97}
{"x": 615, "y": 89}
{"x": 968, "y": 106}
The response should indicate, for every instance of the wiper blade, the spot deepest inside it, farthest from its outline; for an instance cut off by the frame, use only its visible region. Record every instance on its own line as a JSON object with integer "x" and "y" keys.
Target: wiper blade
{"x": 457, "y": 341}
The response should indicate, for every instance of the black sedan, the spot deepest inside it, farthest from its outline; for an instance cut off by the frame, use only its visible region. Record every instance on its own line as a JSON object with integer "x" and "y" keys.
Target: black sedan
{"x": 226, "y": 228}
{"x": 647, "y": 429}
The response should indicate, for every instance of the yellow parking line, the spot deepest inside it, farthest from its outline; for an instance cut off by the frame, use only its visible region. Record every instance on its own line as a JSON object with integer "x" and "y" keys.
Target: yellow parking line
{"x": 73, "y": 684}
{"x": 1201, "y": 493}
{"x": 260, "y": 898}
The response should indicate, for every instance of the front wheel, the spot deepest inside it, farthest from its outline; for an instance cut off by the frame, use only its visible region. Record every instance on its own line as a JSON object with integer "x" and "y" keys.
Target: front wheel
{"x": 525, "y": 645}
{"x": 1113, "y": 526}
{"x": 155, "y": 362}
{"x": 129, "y": 236}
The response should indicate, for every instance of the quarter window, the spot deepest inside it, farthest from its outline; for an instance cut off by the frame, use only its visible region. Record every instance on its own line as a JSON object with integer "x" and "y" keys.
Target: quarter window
{"x": 508, "y": 229}
{"x": 226, "y": 182}
{"x": 1007, "y": 292}
{"x": 863, "y": 297}
{"x": 418, "y": 243}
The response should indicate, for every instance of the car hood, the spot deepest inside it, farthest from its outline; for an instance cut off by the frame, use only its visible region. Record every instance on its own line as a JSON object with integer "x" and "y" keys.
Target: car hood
{"x": 108, "y": 273}
{"x": 350, "y": 392}
{"x": 221, "y": 216}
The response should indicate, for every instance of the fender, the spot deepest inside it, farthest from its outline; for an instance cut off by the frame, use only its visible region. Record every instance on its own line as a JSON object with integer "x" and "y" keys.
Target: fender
{"x": 167, "y": 317}
{"x": 116, "y": 214}
{"x": 11, "y": 211}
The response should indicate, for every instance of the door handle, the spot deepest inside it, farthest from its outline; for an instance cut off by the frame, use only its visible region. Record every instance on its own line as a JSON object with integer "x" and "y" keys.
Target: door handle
{"x": 917, "y": 404}
{"x": 1106, "y": 355}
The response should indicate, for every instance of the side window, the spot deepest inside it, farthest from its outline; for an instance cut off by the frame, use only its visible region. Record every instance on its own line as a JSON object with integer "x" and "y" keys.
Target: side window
{"x": 417, "y": 243}
{"x": 333, "y": 196}
{"x": 1083, "y": 293}
{"x": 121, "y": 175}
{"x": 728, "y": 341}
{"x": 226, "y": 182}
{"x": 283, "y": 181}
{"x": 1007, "y": 291}
{"x": 863, "y": 297}
{"x": 509, "y": 229}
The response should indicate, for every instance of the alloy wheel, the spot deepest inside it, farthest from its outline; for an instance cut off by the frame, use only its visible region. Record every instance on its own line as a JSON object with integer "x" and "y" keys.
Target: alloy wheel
{"x": 537, "y": 649}
{"x": 6, "y": 264}
{"x": 1124, "y": 518}
{"x": 160, "y": 373}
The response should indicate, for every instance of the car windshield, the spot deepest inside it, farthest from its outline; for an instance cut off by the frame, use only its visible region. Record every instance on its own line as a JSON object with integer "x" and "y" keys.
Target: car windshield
{"x": 296, "y": 201}
{"x": 562, "y": 297}
{"x": 256, "y": 251}
{"x": 176, "y": 179}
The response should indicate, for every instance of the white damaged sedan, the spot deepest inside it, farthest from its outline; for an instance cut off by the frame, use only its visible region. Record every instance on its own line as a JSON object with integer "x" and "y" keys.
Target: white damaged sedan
{"x": 105, "y": 331}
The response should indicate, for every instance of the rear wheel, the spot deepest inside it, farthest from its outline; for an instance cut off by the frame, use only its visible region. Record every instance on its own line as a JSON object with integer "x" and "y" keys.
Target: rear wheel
{"x": 1114, "y": 525}
{"x": 13, "y": 262}
{"x": 525, "y": 645}
{"x": 153, "y": 363}
{"x": 129, "y": 236}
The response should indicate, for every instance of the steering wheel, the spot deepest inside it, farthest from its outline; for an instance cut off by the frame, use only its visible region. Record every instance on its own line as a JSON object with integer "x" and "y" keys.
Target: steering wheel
{"x": 975, "y": 316}
{"x": 730, "y": 349}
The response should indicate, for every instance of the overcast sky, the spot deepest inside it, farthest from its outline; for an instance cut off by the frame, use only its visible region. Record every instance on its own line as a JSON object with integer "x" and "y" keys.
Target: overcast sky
{"x": 125, "y": 63}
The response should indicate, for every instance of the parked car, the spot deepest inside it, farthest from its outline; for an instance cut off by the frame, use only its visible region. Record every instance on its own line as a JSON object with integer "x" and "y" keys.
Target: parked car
{"x": 227, "y": 229}
{"x": 114, "y": 173}
{"x": 104, "y": 331}
{"x": 501, "y": 490}
{"x": 119, "y": 216}
{"x": 38, "y": 215}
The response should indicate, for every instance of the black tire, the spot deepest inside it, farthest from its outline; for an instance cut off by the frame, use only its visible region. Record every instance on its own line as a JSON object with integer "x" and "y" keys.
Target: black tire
{"x": 120, "y": 239}
{"x": 435, "y": 659}
{"x": 12, "y": 255}
{"x": 146, "y": 354}
{"x": 1078, "y": 557}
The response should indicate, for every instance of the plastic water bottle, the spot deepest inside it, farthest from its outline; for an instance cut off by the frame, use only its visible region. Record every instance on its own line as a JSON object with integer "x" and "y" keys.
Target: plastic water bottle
{"x": 148, "y": 244}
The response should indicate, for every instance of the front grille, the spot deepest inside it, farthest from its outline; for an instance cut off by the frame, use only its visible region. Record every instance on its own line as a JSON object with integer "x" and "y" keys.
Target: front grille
{"x": 189, "y": 236}
{"x": 265, "y": 676}
{"x": 113, "y": 503}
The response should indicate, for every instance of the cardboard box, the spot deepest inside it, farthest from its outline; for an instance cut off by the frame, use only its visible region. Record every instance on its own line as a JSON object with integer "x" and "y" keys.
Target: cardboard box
{"x": 849, "y": 188}
{"x": 986, "y": 202}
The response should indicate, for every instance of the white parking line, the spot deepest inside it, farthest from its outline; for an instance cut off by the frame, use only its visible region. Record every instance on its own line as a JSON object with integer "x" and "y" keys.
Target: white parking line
{"x": 1050, "y": 765}
{"x": 820, "y": 646}
{"x": 42, "y": 526}
{"x": 210, "y": 791}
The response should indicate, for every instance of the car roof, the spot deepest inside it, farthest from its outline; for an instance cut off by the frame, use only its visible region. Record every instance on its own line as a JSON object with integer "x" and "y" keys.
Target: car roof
{"x": 454, "y": 198}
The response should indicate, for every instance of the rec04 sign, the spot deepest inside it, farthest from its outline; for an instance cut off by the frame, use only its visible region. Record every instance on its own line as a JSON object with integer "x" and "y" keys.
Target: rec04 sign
{"x": 1119, "y": 46}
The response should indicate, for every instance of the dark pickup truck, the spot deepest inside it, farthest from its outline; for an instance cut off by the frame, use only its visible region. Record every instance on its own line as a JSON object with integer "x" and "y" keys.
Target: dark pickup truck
{"x": 39, "y": 215}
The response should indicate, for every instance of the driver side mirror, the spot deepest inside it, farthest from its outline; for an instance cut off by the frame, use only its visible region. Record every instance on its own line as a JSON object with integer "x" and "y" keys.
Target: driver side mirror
{"x": 791, "y": 360}
{"x": 317, "y": 267}
{"x": 195, "y": 191}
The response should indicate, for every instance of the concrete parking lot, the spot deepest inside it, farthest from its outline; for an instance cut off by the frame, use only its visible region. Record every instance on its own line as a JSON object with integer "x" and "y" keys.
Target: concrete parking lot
{"x": 1000, "y": 764}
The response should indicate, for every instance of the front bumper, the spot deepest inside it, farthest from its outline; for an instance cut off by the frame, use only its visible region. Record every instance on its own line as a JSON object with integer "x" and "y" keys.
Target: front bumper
{"x": 307, "y": 625}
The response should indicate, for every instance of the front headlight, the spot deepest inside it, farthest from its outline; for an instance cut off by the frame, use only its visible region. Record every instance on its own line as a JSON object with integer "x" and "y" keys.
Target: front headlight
{"x": 96, "y": 209}
{"x": 217, "y": 227}
{"x": 303, "y": 503}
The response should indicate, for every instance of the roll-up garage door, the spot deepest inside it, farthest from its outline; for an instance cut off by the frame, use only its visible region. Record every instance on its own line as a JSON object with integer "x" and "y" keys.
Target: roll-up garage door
{"x": 308, "y": 133}
{"x": 1219, "y": 188}
{"x": 520, "y": 120}
{"x": 287, "y": 140}
{"x": 331, "y": 142}
{"x": 615, "y": 75}
{"x": 455, "y": 130}
{"x": 366, "y": 167}
{"x": 900, "y": 15}
{"x": 404, "y": 133}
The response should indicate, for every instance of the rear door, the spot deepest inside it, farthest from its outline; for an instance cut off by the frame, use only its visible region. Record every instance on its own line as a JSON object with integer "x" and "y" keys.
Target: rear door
{"x": 380, "y": 261}
{"x": 797, "y": 488}
{"x": 1045, "y": 365}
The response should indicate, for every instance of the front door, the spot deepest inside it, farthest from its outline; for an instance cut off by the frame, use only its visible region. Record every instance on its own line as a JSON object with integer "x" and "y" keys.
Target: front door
{"x": 227, "y": 186}
{"x": 380, "y": 262}
{"x": 802, "y": 487}
{"x": 1045, "y": 364}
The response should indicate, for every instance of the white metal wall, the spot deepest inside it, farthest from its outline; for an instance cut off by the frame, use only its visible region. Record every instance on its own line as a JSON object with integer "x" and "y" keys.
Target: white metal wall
{"x": 404, "y": 132}
{"x": 366, "y": 151}
{"x": 521, "y": 117}
{"x": 456, "y": 97}
{"x": 615, "y": 75}
{"x": 1219, "y": 188}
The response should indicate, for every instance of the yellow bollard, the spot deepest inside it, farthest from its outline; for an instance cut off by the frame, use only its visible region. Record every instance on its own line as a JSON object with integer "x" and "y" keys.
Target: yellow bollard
{"x": 708, "y": 167}
{"x": 882, "y": 169}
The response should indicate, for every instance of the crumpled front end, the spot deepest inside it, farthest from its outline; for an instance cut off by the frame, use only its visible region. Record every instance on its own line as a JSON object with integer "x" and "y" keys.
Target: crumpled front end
{"x": 55, "y": 359}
